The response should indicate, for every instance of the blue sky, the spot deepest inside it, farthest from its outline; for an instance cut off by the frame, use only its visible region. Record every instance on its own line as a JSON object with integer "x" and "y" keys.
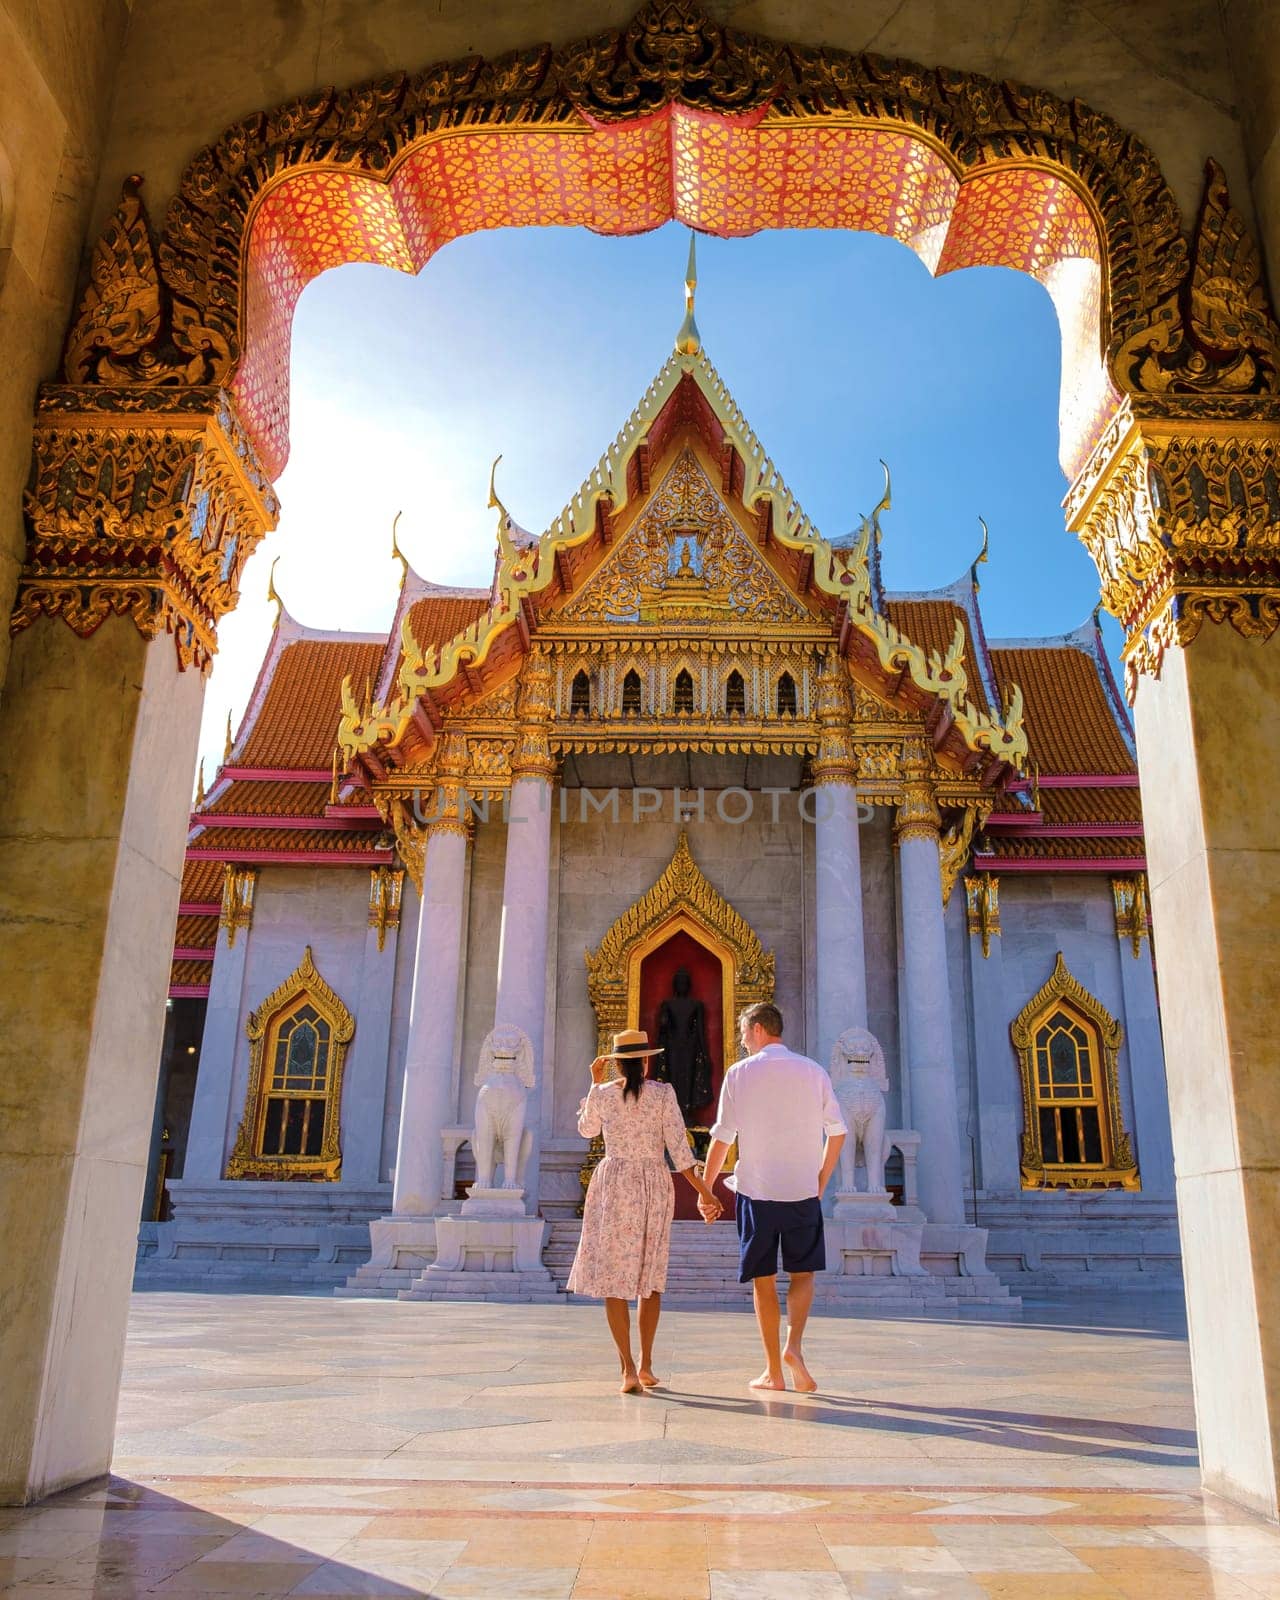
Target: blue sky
{"x": 536, "y": 344}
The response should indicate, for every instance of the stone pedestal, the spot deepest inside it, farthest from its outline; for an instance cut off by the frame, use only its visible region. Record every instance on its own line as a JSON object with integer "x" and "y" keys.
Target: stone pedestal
{"x": 871, "y": 1246}
{"x": 858, "y": 1205}
{"x": 493, "y": 1251}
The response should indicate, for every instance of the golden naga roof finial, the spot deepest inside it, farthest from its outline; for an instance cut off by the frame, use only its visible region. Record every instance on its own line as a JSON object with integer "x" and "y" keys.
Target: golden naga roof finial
{"x": 273, "y": 593}
{"x": 885, "y": 503}
{"x": 397, "y": 554}
{"x": 689, "y": 340}
{"x": 227, "y": 744}
{"x": 200, "y": 783}
{"x": 981, "y": 556}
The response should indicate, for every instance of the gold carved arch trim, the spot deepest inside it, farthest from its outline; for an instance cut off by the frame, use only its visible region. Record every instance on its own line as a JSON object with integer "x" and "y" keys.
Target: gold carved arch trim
{"x": 1118, "y": 1168}
{"x": 682, "y": 900}
{"x": 672, "y": 87}
{"x": 303, "y": 986}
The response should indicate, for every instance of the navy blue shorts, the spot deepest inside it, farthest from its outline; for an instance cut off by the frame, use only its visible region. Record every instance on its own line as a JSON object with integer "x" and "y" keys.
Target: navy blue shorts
{"x": 763, "y": 1225}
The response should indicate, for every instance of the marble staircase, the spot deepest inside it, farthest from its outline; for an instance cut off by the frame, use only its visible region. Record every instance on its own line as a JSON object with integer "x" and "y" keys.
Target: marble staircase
{"x": 703, "y": 1274}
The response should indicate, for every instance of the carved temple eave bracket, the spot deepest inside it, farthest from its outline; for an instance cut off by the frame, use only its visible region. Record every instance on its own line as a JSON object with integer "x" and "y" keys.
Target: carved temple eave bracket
{"x": 143, "y": 503}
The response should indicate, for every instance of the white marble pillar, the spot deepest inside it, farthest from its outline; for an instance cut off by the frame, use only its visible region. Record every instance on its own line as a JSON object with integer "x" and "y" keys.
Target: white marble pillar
{"x": 213, "y": 1117}
{"x": 428, "y": 1104}
{"x": 930, "y": 1055}
{"x": 840, "y": 961}
{"x": 364, "y": 1087}
{"x": 522, "y": 947}
{"x": 1144, "y": 1051}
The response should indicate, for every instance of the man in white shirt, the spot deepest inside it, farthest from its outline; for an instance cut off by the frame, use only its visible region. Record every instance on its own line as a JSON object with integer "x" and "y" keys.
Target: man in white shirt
{"x": 783, "y": 1112}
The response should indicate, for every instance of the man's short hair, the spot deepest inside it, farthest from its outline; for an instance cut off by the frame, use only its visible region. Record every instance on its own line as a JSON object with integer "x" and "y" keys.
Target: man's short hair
{"x": 766, "y": 1015}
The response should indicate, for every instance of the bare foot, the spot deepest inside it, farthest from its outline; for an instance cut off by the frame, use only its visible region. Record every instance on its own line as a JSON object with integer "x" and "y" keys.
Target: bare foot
{"x": 647, "y": 1379}
{"x": 630, "y": 1383}
{"x": 768, "y": 1380}
{"x": 801, "y": 1377}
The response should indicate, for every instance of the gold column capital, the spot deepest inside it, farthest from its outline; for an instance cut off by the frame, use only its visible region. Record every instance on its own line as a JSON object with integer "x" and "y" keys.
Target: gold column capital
{"x": 143, "y": 503}
{"x": 837, "y": 758}
{"x": 918, "y": 816}
{"x": 1179, "y": 506}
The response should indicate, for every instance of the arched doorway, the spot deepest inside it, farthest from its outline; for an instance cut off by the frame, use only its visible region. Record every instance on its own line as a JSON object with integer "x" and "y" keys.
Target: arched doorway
{"x": 151, "y": 484}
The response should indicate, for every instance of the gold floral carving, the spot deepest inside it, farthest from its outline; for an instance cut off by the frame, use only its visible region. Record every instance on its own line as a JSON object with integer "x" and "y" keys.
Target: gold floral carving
{"x": 238, "y": 887}
{"x": 1180, "y": 510}
{"x": 955, "y": 845}
{"x": 1216, "y": 331}
{"x": 246, "y": 1160}
{"x": 918, "y": 816}
{"x": 636, "y": 576}
{"x": 386, "y": 885}
{"x": 411, "y": 840}
{"x": 673, "y": 53}
{"x": 148, "y": 512}
{"x": 982, "y": 908}
{"x": 1120, "y": 1168}
{"x": 682, "y": 892}
{"x": 837, "y": 757}
{"x": 1130, "y": 895}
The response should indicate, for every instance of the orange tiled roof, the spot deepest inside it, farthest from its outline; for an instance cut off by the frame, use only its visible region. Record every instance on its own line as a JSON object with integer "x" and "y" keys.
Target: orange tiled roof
{"x": 298, "y": 722}
{"x": 260, "y": 797}
{"x": 1070, "y": 723}
{"x": 932, "y": 625}
{"x": 435, "y": 619}
{"x": 1067, "y": 807}
{"x": 196, "y": 932}
{"x": 202, "y": 882}
{"x": 190, "y": 974}
{"x": 230, "y": 842}
{"x": 1091, "y": 847}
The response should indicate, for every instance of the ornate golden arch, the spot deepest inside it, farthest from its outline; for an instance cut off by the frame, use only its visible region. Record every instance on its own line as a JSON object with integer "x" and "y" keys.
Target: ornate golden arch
{"x": 1118, "y": 1167}
{"x": 304, "y": 985}
{"x": 682, "y": 900}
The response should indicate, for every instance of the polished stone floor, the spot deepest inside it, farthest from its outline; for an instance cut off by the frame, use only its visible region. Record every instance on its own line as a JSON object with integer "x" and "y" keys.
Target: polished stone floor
{"x": 285, "y": 1445}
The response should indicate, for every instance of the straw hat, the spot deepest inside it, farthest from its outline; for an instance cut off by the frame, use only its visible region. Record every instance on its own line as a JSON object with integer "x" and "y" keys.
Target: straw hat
{"x": 631, "y": 1042}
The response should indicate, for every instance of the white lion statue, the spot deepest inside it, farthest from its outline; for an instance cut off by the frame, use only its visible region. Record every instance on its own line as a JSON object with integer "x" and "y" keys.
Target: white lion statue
{"x": 859, "y": 1078}
{"x": 505, "y": 1076}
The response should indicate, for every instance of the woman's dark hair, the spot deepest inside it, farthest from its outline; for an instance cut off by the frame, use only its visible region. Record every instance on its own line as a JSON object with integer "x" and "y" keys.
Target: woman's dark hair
{"x": 632, "y": 1068}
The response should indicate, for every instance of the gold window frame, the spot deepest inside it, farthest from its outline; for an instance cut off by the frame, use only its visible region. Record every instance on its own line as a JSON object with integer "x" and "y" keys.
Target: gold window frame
{"x": 1118, "y": 1169}
{"x": 304, "y": 985}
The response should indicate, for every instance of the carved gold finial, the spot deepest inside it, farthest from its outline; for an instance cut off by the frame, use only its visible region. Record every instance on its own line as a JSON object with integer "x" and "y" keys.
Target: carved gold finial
{"x": 200, "y": 783}
{"x": 273, "y": 593}
{"x": 689, "y": 340}
{"x": 227, "y": 742}
{"x": 981, "y": 556}
{"x": 397, "y": 554}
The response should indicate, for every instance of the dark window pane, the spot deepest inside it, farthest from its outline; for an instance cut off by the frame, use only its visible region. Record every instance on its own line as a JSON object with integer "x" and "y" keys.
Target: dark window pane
{"x": 315, "y": 1127}
{"x": 580, "y": 695}
{"x": 786, "y": 695}
{"x": 293, "y": 1128}
{"x": 1069, "y": 1132}
{"x": 271, "y": 1125}
{"x": 735, "y": 694}
{"x": 1092, "y": 1134}
{"x": 1066, "y": 1070}
{"x": 631, "y": 694}
{"x": 1049, "y": 1134}
{"x": 684, "y": 691}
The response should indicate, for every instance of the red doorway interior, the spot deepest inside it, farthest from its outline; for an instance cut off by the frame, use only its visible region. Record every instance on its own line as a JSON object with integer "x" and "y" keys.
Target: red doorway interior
{"x": 656, "y": 972}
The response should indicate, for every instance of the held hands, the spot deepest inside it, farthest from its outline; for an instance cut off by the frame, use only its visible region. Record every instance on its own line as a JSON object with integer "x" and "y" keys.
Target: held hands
{"x": 709, "y": 1208}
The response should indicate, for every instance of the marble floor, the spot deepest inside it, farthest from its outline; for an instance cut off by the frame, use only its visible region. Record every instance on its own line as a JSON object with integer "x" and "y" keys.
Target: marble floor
{"x": 273, "y": 1445}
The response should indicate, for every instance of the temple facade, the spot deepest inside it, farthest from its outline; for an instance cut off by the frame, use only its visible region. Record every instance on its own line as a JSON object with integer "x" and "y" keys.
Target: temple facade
{"x": 683, "y": 753}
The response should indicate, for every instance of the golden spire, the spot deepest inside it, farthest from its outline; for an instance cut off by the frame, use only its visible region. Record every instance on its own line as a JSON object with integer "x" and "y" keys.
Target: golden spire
{"x": 272, "y": 593}
{"x": 226, "y": 748}
{"x": 689, "y": 340}
{"x": 397, "y": 554}
{"x": 200, "y": 783}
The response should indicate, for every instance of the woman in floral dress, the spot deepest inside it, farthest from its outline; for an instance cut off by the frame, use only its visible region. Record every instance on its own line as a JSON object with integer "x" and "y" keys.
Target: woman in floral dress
{"x": 626, "y": 1221}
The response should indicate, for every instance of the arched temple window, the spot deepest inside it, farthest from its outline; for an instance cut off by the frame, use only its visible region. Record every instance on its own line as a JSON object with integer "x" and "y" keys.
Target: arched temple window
{"x": 786, "y": 699}
{"x": 631, "y": 706}
{"x": 298, "y": 1040}
{"x": 1073, "y": 1134}
{"x": 735, "y": 694}
{"x": 580, "y": 695}
{"x": 684, "y": 691}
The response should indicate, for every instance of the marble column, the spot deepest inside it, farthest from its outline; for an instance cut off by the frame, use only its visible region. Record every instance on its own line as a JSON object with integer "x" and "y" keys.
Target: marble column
{"x": 90, "y": 872}
{"x": 213, "y": 1117}
{"x": 522, "y": 949}
{"x": 428, "y": 1102}
{"x": 841, "y": 967}
{"x": 364, "y": 1088}
{"x": 999, "y": 1109}
{"x": 1144, "y": 1051}
{"x": 930, "y": 1054}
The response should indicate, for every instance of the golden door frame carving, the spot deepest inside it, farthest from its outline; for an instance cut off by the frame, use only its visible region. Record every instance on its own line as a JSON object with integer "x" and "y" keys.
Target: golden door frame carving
{"x": 1120, "y": 1169}
{"x": 682, "y": 899}
{"x": 246, "y": 1160}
